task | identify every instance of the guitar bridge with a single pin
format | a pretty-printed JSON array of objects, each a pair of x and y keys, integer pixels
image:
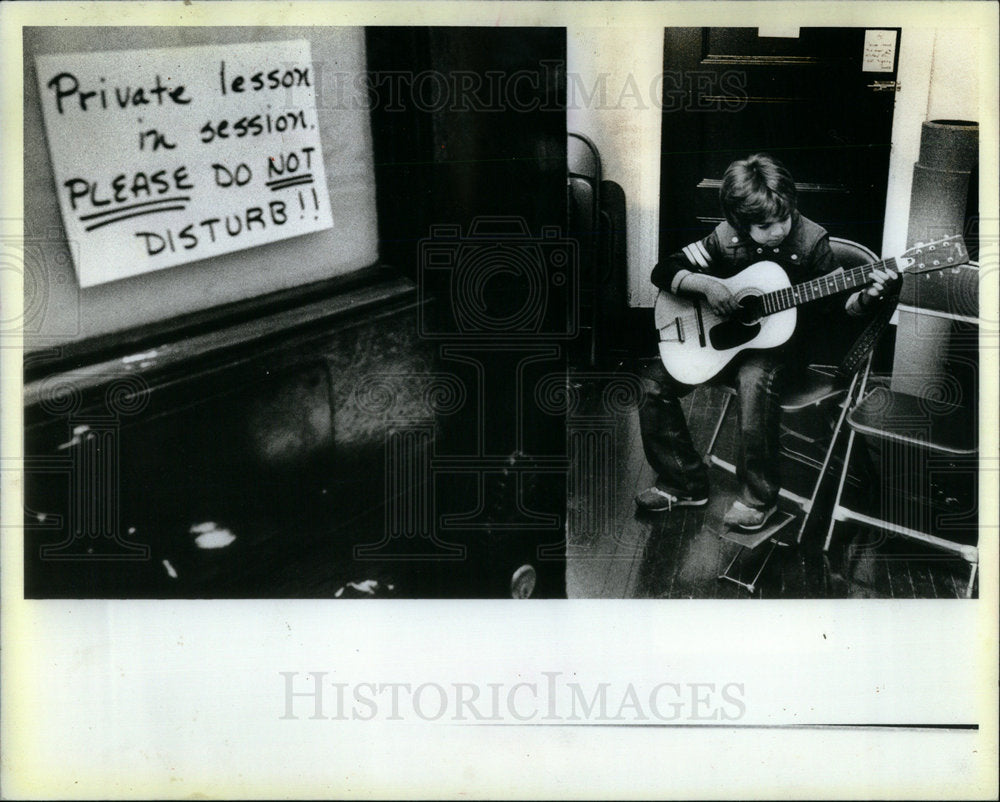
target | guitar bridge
[{"x": 678, "y": 326}]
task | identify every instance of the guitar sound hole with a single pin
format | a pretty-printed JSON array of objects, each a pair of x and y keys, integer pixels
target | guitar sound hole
[{"x": 750, "y": 310}]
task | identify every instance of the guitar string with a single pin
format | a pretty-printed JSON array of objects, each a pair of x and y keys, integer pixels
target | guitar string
[
  {"x": 792, "y": 292},
  {"x": 788, "y": 297}
]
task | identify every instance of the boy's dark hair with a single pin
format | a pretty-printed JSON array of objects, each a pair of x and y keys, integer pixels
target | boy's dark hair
[{"x": 755, "y": 190}]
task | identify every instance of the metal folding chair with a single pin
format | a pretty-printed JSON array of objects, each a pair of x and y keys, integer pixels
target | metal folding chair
[{"x": 922, "y": 422}]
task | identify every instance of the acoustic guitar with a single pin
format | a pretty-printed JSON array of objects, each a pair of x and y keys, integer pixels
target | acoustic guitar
[{"x": 696, "y": 344}]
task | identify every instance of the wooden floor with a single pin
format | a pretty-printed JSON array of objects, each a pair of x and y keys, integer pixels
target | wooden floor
[
  {"x": 617, "y": 551},
  {"x": 296, "y": 533}
]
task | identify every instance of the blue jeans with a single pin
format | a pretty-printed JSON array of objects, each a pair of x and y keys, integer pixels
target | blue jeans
[{"x": 758, "y": 378}]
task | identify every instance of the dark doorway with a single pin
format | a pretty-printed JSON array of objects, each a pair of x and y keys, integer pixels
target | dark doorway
[{"x": 821, "y": 102}]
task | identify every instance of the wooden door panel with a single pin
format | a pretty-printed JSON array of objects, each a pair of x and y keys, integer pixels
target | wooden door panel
[
  {"x": 823, "y": 201},
  {"x": 806, "y": 100}
]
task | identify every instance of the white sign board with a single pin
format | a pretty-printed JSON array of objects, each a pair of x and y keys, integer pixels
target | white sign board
[
  {"x": 163, "y": 157},
  {"x": 880, "y": 51}
]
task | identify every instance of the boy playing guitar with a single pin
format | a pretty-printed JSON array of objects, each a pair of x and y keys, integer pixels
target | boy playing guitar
[{"x": 762, "y": 223}]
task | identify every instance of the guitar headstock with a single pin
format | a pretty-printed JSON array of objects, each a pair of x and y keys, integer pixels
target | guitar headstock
[{"x": 946, "y": 252}]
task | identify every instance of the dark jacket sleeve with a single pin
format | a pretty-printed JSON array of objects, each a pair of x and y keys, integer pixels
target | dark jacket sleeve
[{"x": 700, "y": 256}]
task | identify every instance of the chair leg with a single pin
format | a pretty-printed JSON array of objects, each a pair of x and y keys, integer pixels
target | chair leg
[
  {"x": 840, "y": 490},
  {"x": 972, "y": 581},
  {"x": 851, "y": 399},
  {"x": 718, "y": 425},
  {"x": 834, "y": 437}
]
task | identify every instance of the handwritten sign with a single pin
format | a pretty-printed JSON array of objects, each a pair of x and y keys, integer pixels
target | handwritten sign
[
  {"x": 880, "y": 51},
  {"x": 163, "y": 157}
]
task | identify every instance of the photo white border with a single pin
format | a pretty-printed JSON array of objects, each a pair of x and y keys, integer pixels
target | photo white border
[{"x": 171, "y": 699}]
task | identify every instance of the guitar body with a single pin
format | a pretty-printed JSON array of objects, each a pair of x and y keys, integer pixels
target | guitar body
[{"x": 696, "y": 344}]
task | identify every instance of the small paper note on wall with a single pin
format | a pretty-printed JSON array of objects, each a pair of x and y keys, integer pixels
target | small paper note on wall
[
  {"x": 163, "y": 157},
  {"x": 880, "y": 51}
]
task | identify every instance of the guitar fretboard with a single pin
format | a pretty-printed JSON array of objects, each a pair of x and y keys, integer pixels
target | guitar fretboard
[{"x": 822, "y": 287}]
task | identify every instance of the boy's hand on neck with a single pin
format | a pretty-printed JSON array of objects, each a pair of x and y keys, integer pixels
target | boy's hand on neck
[{"x": 882, "y": 282}]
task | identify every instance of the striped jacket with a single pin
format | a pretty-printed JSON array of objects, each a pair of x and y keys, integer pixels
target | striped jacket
[{"x": 804, "y": 254}]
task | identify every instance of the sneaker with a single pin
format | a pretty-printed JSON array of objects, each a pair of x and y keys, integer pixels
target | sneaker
[
  {"x": 652, "y": 499},
  {"x": 747, "y": 518}
]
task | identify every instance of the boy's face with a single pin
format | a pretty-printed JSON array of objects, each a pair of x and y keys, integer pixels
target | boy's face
[{"x": 771, "y": 233}]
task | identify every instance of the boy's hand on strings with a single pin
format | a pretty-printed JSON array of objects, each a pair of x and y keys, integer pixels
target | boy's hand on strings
[{"x": 719, "y": 298}]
